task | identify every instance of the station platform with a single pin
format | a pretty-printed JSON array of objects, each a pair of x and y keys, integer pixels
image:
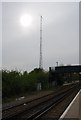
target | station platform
[{"x": 74, "y": 108}]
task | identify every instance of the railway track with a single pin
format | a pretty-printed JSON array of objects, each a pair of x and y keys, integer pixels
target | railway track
[
  {"x": 18, "y": 103},
  {"x": 60, "y": 107},
  {"x": 38, "y": 107}
]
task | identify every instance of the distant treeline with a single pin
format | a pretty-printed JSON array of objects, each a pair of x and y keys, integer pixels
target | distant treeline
[{"x": 15, "y": 82}]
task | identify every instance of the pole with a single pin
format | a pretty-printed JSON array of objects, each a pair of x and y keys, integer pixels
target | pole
[{"x": 40, "y": 60}]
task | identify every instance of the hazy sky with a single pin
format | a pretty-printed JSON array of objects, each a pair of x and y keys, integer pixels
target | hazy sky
[
  {"x": 0, "y": 34},
  {"x": 60, "y": 34}
]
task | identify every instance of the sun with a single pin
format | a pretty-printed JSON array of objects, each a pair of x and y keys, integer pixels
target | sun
[{"x": 26, "y": 20}]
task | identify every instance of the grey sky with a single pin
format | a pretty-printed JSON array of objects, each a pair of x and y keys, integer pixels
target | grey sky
[
  {"x": 60, "y": 34},
  {"x": 0, "y": 34}
]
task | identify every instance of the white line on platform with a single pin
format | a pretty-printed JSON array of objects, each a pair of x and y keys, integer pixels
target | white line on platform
[{"x": 67, "y": 109}]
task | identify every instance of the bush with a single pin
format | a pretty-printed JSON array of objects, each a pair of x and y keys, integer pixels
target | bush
[{"x": 15, "y": 83}]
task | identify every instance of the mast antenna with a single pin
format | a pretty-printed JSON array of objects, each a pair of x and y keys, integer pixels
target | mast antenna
[{"x": 40, "y": 59}]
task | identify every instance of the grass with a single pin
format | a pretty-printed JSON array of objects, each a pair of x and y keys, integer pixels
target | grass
[{"x": 26, "y": 94}]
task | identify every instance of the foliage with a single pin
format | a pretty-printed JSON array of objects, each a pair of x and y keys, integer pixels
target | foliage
[{"x": 15, "y": 83}]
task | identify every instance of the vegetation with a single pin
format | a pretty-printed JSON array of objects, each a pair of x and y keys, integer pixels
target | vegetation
[{"x": 15, "y": 83}]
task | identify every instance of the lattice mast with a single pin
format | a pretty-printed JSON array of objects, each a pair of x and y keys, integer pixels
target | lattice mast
[{"x": 40, "y": 59}]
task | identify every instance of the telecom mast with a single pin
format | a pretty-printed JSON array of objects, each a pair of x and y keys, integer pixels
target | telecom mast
[{"x": 40, "y": 59}]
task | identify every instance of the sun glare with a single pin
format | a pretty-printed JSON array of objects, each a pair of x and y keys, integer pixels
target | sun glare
[{"x": 26, "y": 20}]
